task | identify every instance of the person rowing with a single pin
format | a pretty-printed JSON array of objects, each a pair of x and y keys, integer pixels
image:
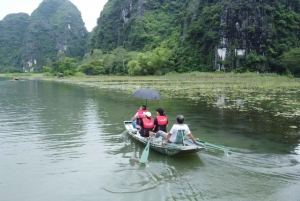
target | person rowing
[{"x": 172, "y": 135}]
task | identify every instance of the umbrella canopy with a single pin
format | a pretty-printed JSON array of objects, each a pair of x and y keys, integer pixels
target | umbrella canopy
[{"x": 148, "y": 94}]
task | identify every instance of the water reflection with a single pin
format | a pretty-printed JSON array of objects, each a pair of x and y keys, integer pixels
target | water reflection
[
  {"x": 220, "y": 101},
  {"x": 239, "y": 102}
]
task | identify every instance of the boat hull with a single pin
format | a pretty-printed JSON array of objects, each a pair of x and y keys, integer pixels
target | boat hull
[{"x": 156, "y": 143}]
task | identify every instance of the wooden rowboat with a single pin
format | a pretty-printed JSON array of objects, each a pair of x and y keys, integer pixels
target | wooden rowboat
[{"x": 187, "y": 147}]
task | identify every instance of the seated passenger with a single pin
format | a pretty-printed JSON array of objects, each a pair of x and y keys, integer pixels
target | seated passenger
[
  {"x": 137, "y": 118},
  {"x": 172, "y": 135},
  {"x": 160, "y": 121},
  {"x": 147, "y": 125}
]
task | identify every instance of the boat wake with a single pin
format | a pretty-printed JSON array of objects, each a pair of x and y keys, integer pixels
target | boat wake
[{"x": 131, "y": 182}]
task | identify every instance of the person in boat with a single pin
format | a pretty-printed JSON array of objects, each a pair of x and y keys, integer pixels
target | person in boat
[
  {"x": 160, "y": 121},
  {"x": 172, "y": 135},
  {"x": 146, "y": 124},
  {"x": 137, "y": 118}
]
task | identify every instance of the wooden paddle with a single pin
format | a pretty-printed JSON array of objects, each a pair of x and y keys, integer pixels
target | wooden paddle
[{"x": 144, "y": 157}]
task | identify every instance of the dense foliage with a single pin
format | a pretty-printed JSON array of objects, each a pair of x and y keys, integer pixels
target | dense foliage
[
  {"x": 193, "y": 30},
  {"x": 12, "y": 29},
  {"x": 154, "y": 37},
  {"x": 55, "y": 26}
]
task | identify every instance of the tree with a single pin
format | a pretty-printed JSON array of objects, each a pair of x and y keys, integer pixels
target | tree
[
  {"x": 97, "y": 54},
  {"x": 61, "y": 56},
  {"x": 120, "y": 54},
  {"x": 109, "y": 60},
  {"x": 291, "y": 61},
  {"x": 134, "y": 68},
  {"x": 93, "y": 67},
  {"x": 67, "y": 66},
  {"x": 255, "y": 62}
]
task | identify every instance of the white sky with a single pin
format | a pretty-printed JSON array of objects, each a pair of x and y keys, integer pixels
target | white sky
[{"x": 90, "y": 9}]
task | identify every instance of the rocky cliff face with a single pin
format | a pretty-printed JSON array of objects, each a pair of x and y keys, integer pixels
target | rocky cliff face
[
  {"x": 135, "y": 23},
  {"x": 55, "y": 26},
  {"x": 12, "y": 32},
  {"x": 204, "y": 35}
]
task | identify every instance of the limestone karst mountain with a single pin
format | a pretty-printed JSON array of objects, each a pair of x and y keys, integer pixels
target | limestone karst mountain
[
  {"x": 241, "y": 35},
  {"x": 55, "y": 26}
]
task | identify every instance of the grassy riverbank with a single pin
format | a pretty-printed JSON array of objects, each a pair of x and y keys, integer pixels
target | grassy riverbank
[{"x": 262, "y": 92}]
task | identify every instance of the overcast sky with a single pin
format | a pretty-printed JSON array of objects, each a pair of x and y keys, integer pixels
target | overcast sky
[{"x": 90, "y": 9}]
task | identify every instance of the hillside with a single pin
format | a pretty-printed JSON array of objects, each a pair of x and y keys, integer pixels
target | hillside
[
  {"x": 12, "y": 32},
  {"x": 55, "y": 26},
  {"x": 235, "y": 35}
]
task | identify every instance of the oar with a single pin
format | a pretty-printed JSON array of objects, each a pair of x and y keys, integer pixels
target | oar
[
  {"x": 145, "y": 154},
  {"x": 213, "y": 145}
]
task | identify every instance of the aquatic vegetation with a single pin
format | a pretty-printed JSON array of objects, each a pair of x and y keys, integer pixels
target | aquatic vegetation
[{"x": 270, "y": 93}]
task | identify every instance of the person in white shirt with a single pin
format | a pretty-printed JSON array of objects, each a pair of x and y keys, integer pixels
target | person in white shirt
[{"x": 172, "y": 135}]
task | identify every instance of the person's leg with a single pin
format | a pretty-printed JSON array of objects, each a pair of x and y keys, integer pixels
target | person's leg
[
  {"x": 133, "y": 123},
  {"x": 161, "y": 133}
]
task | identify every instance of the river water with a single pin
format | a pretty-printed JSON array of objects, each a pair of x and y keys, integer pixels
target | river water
[{"x": 65, "y": 142}]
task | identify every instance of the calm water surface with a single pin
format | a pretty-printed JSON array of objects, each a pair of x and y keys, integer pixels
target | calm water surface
[{"x": 64, "y": 142}]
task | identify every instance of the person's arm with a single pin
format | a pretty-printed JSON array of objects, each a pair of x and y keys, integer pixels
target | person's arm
[
  {"x": 155, "y": 123},
  {"x": 167, "y": 139},
  {"x": 134, "y": 117},
  {"x": 192, "y": 137},
  {"x": 153, "y": 128}
]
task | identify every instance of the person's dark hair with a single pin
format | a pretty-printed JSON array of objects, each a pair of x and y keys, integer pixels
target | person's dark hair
[
  {"x": 180, "y": 119},
  {"x": 160, "y": 111},
  {"x": 144, "y": 107}
]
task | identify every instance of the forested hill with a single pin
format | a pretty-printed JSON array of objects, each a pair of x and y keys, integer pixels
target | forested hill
[
  {"x": 12, "y": 32},
  {"x": 29, "y": 42},
  {"x": 231, "y": 35}
]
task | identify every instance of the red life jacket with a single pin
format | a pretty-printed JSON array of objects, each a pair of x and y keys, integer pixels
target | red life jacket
[
  {"x": 141, "y": 113},
  {"x": 140, "y": 116},
  {"x": 162, "y": 122},
  {"x": 148, "y": 125}
]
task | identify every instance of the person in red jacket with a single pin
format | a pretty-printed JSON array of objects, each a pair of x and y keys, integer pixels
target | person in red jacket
[
  {"x": 160, "y": 121},
  {"x": 147, "y": 125},
  {"x": 137, "y": 118}
]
